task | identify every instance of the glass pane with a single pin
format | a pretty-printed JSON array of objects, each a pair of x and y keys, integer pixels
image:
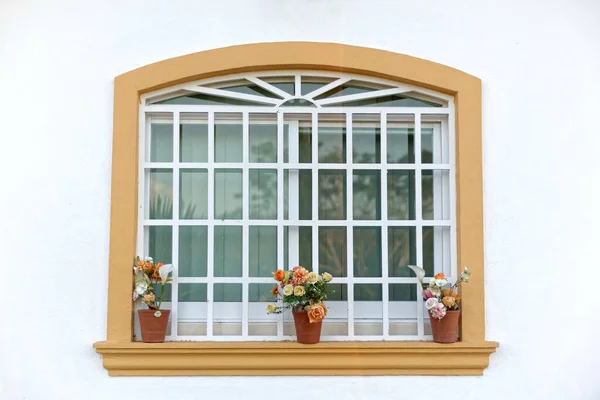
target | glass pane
[
  {"x": 299, "y": 240},
  {"x": 261, "y": 323},
  {"x": 228, "y": 251},
  {"x": 193, "y": 241},
  {"x": 193, "y": 197},
  {"x": 193, "y": 142},
  {"x": 262, "y": 250},
  {"x": 227, "y": 311},
  {"x": 284, "y": 83},
  {"x": 401, "y": 195},
  {"x": 367, "y": 252},
  {"x": 189, "y": 292},
  {"x": 161, "y": 142},
  {"x": 227, "y": 292},
  {"x": 366, "y": 144},
  {"x": 228, "y": 141},
  {"x": 191, "y": 309},
  {"x": 402, "y": 309},
  {"x": 332, "y": 251},
  {"x": 228, "y": 194},
  {"x": 305, "y": 143},
  {"x": 434, "y": 146},
  {"x": 339, "y": 292},
  {"x": 400, "y": 145},
  {"x": 368, "y": 309},
  {"x": 352, "y": 87},
  {"x": 161, "y": 194},
  {"x": 246, "y": 87},
  {"x": 206, "y": 99},
  {"x": 436, "y": 250},
  {"x": 366, "y": 199},
  {"x": 401, "y": 250},
  {"x": 298, "y": 103},
  {"x": 310, "y": 83},
  {"x": 332, "y": 194},
  {"x": 160, "y": 243},
  {"x": 263, "y": 193},
  {"x": 300, "y": 191},
  {"x": 332, "y": 142},
  {"x": 386, "y": 101},
  {"x": 263, "y": 140},
  {"x": 167, "y": 295},
  {"x": 436, "y": 194}
]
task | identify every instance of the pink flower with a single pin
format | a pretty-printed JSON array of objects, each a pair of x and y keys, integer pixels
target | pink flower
[
  {"x": 439, "y": 311},
  {"x": 427, "y": 294}
]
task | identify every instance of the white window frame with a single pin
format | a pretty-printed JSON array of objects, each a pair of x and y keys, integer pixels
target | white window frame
[{"x": 440, "y": 118}]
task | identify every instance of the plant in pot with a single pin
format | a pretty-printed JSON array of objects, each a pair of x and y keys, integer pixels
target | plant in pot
[
  {"x": 442, "y": 301},
  {"x": 148, "y": 277},
  {"x": 303, "y": 292}
]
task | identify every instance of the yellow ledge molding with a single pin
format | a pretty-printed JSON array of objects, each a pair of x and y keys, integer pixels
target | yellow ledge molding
[{"x": 273, "y": 358}]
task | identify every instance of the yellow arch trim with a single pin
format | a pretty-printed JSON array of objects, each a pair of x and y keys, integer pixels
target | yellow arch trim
[{"x": 465, "y": 88}]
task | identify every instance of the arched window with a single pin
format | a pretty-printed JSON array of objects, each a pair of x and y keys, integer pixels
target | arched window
[
  {"x": 339, "y": 173},
  {"x": 232, "y": 162}
]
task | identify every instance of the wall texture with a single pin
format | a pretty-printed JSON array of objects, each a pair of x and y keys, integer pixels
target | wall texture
[{"x": 539, "y": 63}]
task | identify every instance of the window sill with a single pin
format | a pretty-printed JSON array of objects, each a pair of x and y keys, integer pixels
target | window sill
[{"x": 291, "y": 358}]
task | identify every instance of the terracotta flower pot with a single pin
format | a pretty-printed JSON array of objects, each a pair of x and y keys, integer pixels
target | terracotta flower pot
[
  {"x": 445, "y": 330},
  {"x": 153, "y": 328},
  {"x": 306, "y": 332}
]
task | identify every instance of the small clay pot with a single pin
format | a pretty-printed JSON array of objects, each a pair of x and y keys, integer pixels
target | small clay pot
[
  {"x": 445, "y": 330},
  {"x": 153, "y": 328},
  {"x": 306, "y": 332}
]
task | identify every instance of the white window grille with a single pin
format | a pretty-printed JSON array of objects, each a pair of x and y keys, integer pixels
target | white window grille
[{"x": 245, "y": 174}]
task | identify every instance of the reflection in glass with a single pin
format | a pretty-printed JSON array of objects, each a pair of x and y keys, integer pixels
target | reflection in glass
[
  {"x": 161, "y": 194},
  {"x": 193, "y": 201},
  {"x": 332, "y": 194},
  {"x": 367, "y": 292},
  {"x": 193, "y": 143},
  {"x": 160, "y": 243},
  {"x": 304, "y": 247},
  {"x": 403, "y": 292},
  {"x": 401, "y": 251},
  {"x": 436, "y": 194},
  {"x": 161, "y": 142},
  {"x": 228, "y": 142},
  {"x": 193, "y": 249},
  {"x": 367, "y": 252},
  {"x": 262, "y": 250},
  {"x": 400, "y": 145},
  {"x": 366, "y": 199},
  {"x": 366, "y": 144},
  {"x": 436, "y": 249},
  {"x": 332, "y": 144},
  {"x": 332, "y": 251},
  {"x": 263, "y": 193},
  {"x": 195, "y": 292},
  {"x": 304, "y": 200},
  {"x": 263, "y": 143},
  {"x": 401, "y": 195},
  {"x": 228, "y": 251},
  {"x": 228, "y": 194}
]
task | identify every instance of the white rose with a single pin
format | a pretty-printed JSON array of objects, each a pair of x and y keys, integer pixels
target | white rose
[
  {"x": 288, "y": 290},
  {"x": 141, "y": 287},
  {"x": 299, "y": 291},
  {"x": 148, "y": 259},
  {"x": 438, "y": 282},
  {"x": 327, "y": 276},
  {"x": 312, "y": 277},
  {"x": 434, "y": 290},
  {"x": 430, "y": 303}
]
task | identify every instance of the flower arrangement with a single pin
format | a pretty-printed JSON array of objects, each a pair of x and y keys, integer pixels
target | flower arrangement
[
  {"x": 438, "y": 300},
  {"x": 301, "y": 290},
  {"x": 148, "y": 276}
]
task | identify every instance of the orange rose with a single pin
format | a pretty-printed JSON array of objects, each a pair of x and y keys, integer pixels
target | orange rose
[
  {"x": 279, "y": 275},
  {"x": 439, "y": 276},
  {"x": 317, "y": 312}
]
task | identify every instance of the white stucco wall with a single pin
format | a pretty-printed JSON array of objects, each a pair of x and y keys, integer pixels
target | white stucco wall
[{"x": 540, "y": 66}]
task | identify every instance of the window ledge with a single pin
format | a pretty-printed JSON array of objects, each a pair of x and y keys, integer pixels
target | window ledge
[{"x": 291, "y": 358}]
